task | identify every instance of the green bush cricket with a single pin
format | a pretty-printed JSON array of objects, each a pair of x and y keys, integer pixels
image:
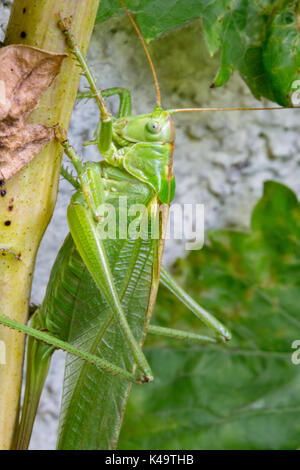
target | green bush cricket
[{"x": 137, "y": 152}]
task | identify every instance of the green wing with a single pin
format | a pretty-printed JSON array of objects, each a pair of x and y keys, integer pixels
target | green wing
[{"x": 94, "y": 402}]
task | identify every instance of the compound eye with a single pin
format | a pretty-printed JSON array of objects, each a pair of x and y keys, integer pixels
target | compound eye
[{"x": 153, "y": 127}]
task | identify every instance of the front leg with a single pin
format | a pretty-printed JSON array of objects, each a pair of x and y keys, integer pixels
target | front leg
[
  {"x": 56, "y": 343},
  {"x": 124, "y": 94},
  {"x": 104, "y": 139}
]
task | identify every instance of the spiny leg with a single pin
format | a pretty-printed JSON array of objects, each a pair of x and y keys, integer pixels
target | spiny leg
[
  {"x": 180, "y": 335},
  {"x": 69, "y": 348},
  {"x": 222, "y": 333}
]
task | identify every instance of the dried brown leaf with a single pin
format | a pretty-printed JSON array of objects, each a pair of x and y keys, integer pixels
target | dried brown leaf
[{"x": 25, "y": 74}]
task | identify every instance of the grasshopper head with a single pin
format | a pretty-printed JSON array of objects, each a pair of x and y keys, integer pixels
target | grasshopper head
[{"x": 154, "y": 127}]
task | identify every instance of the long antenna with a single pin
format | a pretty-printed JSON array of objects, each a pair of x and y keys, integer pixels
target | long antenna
[
  {"x": 184, "y": 110},
  {"x": 158, "y": 97}
]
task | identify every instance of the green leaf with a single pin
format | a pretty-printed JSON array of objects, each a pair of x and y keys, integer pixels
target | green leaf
[
  {"x": 242, "y": 38},
  {"x": 244, "y": 395},
  {"x": 155, "y": 17},
  {"x": 281, "y": 53},
  {"x": 259, "y": 38},
  {"x": 93, "y": 401}
]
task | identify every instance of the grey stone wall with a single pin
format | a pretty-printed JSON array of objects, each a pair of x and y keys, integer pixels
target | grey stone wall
[{"x": 221, "y": 159}]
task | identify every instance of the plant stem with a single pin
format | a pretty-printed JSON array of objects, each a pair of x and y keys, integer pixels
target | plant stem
[{"x": 32, "y": 192}]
